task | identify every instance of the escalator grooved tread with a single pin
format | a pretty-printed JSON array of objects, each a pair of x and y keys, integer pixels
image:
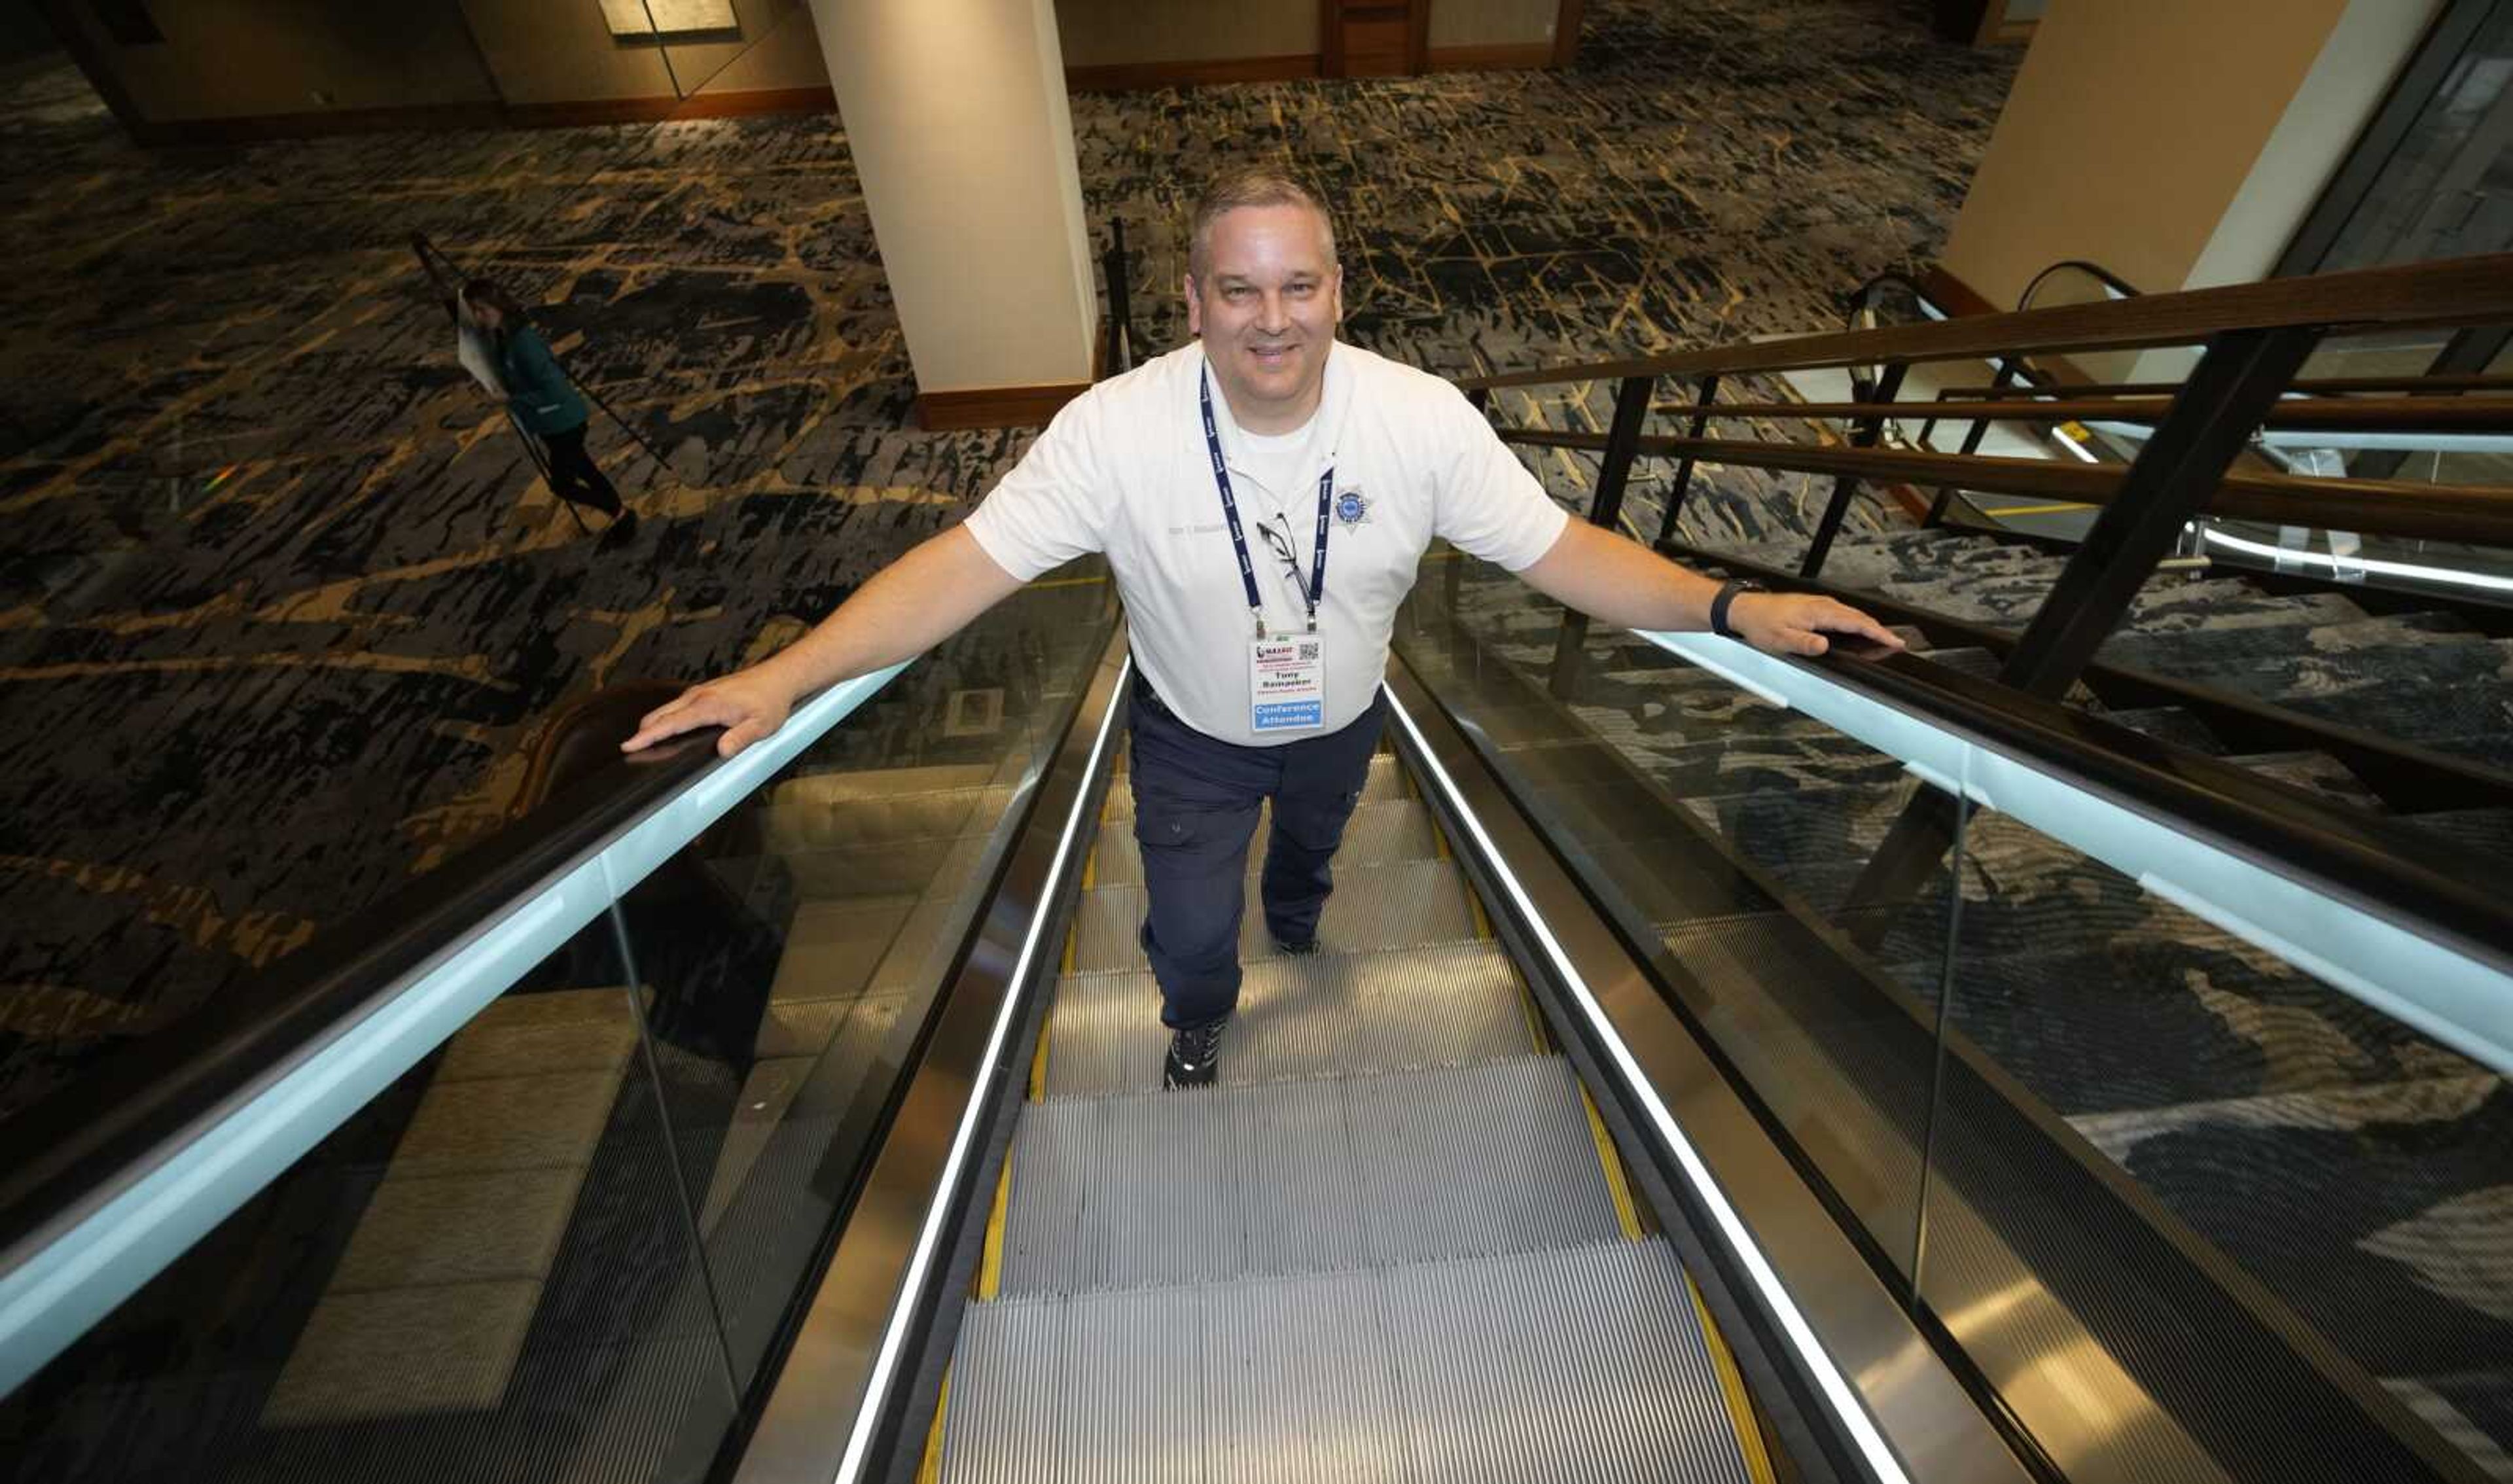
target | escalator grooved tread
[
  {"x": 1401, "y": 904},
  {"x": 1145, "y": 1189},
  {"x": 1519, "y": 1367},
  {"x": 1315, "y": 1015}
]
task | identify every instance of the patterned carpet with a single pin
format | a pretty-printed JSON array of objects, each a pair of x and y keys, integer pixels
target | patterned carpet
[{"x": 294, "y": 593}]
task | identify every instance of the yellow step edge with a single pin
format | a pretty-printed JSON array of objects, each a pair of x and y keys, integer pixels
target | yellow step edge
[
  {"x": 1537, "y": 1034},
  {"x": 1090, "y": 866},
  {"x": 2051, "y": 509},
  {"x": 1627, "y": 1211},
  {"x": 1731, "y": 1388},
  {"x": 929, "y": 1471},
  {"x": 990, "y": 1260},
  {"x": 1071, "y": 935},
  {"x": 1038, "y": 1059}
]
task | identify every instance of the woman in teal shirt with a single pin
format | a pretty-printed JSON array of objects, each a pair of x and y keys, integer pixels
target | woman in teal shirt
[{"x": 548, "y": 408}]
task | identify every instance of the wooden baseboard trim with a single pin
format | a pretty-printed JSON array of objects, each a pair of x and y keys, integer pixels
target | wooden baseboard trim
[
  {"x": 994, "y": 406},
  {"x": 1137, "y": 76},
  {"x": 253, "y": 129},
  {"x": 256, "y": 128},
  {"x": 759, "y": 101},
  {"x": 641, "y": 110},
  {"x": 1498, "y": 59},
  {"x": 593, "y": 110}
]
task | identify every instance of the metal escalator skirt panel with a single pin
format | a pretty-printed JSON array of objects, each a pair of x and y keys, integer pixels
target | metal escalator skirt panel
[
  {"x": 1326, "y": 1015},
  {"x": 1142, "y": 1189},
  {"x": 1584, "y": 1363}
]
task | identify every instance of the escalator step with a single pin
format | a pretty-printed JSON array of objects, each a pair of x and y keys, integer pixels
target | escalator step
[
  {"x": 840, "y": 1052},
  {"x": 402, "y": 1352},
  {"x": 1374, "y": 906},
  {"x": 1585, "y": 1363},
  {"x": 832, "y": 946},
  {"x": 797, "y": 820},
  {"x": 1387, "y": 829},
  {"x": 1330, "y": 1014},
  {"x": 1146, "y": 1189},
  {"x": 1386, "y": 781}
]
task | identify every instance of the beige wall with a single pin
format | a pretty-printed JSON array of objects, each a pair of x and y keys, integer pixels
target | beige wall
[
  {"x": 1491, "y": 22},
  {"x": 562, "y": 51},
  {"x": 2171, "y": 142},
  {"x": 1101, "y": 33},
  {"x": 235, "y": 59},
  {"x": 975, "y": 200},
  {"x": 779, "y": 51}
]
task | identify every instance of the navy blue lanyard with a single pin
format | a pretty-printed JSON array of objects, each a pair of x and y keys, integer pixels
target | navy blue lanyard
[{"x": 1316, "y": 591}]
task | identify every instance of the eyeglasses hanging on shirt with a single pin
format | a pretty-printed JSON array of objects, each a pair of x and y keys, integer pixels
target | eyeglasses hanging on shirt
[
  {"x": 1280, "y": 544},
  {"x": 1312, "y": 591}
]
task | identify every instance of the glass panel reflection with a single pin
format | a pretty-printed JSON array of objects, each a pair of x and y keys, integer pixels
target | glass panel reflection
[
  {"x": 1728, "y": 837},
  {"x": 2217, "y": 1144},
  {"x": 487, "y": 1270},
  {"x": 797, "y": 946}
]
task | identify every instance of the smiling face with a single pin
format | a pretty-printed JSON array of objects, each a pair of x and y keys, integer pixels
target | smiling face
[{"x": 1266, "y": 307}]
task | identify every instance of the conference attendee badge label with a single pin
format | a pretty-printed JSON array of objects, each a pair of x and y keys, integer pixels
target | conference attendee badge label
[{"x": 1287, "y": 683}]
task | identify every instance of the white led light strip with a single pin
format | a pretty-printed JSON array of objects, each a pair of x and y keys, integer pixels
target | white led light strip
[
  {"x": 1836, "y": 1388},
  {"x": 852, "y": 1464},
  {"x": 2459, "y": 579}
]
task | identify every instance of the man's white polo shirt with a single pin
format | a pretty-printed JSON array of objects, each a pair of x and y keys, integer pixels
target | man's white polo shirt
[{"x": 1123, "y": 471}]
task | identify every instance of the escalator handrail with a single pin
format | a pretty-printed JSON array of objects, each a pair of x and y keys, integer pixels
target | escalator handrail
[
  {"x": 69, "y": 1157},
  {"x": 2351, "y": 867},
  {"x": 2115, "y": 286},
  {"x": 69, "y": 1142}
]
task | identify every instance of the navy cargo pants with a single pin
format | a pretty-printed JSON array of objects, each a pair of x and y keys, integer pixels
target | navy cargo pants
[{"x": 1195, "y": 810}]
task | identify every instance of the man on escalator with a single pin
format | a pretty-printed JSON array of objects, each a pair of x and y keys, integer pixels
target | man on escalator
[{"x": 1219, "y": 480}]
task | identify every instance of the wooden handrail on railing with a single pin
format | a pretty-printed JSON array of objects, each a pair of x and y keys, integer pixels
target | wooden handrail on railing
[
  {"x": 2323, "y": 415},
  {"x": 2478, "y": 514},
  {"x": 2461, "y": 291},
  {"x": 2311, "y": 385}
]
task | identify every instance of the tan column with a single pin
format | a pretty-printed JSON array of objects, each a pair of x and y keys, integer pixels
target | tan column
[
  {"x": 2177, "y": 144},
  {"x": 955, "y": 113}
]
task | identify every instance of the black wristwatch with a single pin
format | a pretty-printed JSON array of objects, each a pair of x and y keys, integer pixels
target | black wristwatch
[{"x": 1726, "y": 595}]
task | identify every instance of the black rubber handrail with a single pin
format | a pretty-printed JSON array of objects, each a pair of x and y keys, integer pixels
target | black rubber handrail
[
  {"x": 2121, "y": 287},
  {"x": 102, "y": 1132},
  {"x": 2381, "y": 761},
  {"x": 2347, "y": 853}
]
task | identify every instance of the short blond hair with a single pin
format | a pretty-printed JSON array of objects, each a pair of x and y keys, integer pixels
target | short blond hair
[{"x": 1249, "y": 185}]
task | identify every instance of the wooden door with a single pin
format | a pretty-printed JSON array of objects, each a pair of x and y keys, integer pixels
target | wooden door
[{"x": 1373, "y": 38}]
